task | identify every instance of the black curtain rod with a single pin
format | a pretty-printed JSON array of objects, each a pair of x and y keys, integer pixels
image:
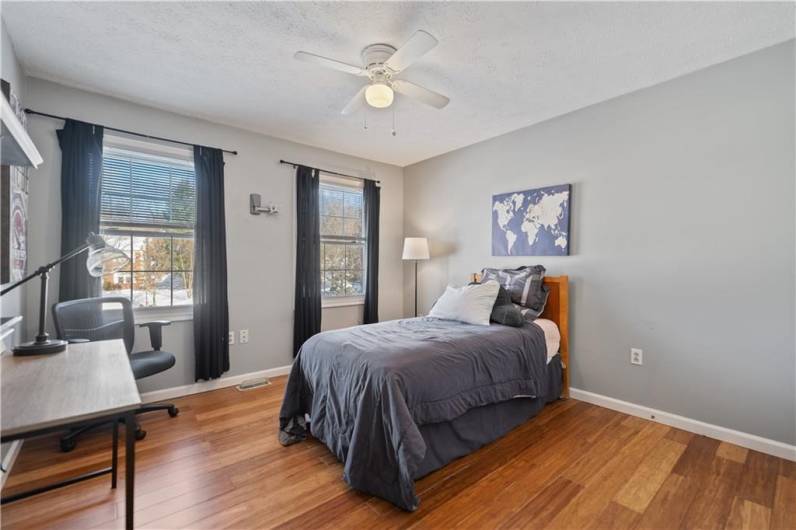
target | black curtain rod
[
  {"x": 149, "y": 136},
  {"x": 288, "y": 163}
]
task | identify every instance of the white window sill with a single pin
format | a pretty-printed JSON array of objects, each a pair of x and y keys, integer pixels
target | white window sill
[
  {"x": 342, "y": 301},
  {"x": 172, "y": 314}
]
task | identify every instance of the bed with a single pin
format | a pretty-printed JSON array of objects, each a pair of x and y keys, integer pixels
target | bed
[{"x": 397, "y": 400}]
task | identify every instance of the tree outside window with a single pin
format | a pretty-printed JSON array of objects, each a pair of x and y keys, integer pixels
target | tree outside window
[
  {"x": 342, "y": 240},
  {"x": 148, "y": 210}
]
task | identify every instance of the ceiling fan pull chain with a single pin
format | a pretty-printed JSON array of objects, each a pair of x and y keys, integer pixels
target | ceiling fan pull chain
[
  {"x": 365, "y": 124},
  {"x": 393, "y": 122}
]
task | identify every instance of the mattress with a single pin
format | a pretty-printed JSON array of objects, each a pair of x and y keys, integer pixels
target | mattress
[{"x": 552, "y": 336}]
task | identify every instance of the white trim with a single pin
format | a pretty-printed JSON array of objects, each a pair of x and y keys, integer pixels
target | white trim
[
  {"x": 342, "y": 182},
  {"x": 750, "y": 441},
  {"x": 160, "y": 150},
  {"x": 215, "y": 384},
  {"x": 342, "y": 301},
  {"x": 10, "y": 458},
  {"x": 177, "y": 313}
]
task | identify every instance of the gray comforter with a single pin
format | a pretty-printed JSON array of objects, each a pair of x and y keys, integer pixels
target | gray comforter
[{"x": 367, "y": 389}]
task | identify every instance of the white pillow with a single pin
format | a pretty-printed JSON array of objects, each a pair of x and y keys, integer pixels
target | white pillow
[{"x": 471, "y": 304}]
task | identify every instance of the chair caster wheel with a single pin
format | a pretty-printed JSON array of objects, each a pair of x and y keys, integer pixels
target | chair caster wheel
[
  {"x": 140, "y": 434},
  {"x": 68, "y": 444},
  {"x": 173, "y": 411}
]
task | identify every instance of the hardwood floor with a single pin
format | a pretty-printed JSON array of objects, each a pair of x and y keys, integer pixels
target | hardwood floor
[{"x": 219, "y": 465}]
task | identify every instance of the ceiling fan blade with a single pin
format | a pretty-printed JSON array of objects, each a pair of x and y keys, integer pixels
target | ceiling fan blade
[
  {"x": 424, "y": 95},
  {"x": 356, "y": 102},
  {"x": 329, "y": 63},
  {"x": 417, "y": 46}
]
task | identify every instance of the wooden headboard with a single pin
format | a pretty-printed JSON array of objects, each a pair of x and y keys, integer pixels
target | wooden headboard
[{"x": 557, "y": 310}]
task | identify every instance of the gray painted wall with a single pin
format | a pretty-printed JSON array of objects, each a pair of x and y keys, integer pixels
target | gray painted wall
[
  {"x": 260, "y": 249},
  {"x": 682, "y": 237}
]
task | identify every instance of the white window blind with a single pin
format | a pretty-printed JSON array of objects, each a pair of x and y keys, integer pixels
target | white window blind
[
  {"x": 148, "y": 209},
  {"x": 147, "y": 193}
]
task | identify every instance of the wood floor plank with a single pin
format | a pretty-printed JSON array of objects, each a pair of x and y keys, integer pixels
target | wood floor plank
[
  {"x": 615, "y": 517},
  {"x": 603, "y": 486},
  {"x": 747, "y": 515},
  {"x": 638, "y": 492},
  {"x": 576, "y": 465},
  {"x": 787, "y": 468},
  {"x": 679, "y": 435},
  {"x": 545, "y": 506},
  {"x": 757, "y": 485},
  {"x": 783, "y": 514},
  {"x": 711, "y": 505},
  {"x": 669, "y": 506},
  {"x": 697, "y": 458},
  {"x": 732, "y": 452}
]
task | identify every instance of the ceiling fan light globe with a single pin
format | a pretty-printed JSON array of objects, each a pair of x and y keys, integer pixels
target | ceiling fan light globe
[{"x": 379, "y": 95}]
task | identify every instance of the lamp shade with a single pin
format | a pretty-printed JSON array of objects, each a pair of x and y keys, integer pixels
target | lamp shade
[
  {"x": 379, "y": 95},
  {"x": 415, "y": 248},
  {"x": 103, "y": 258}
]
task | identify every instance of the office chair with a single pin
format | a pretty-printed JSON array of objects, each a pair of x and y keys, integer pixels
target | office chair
[{"x": 105, "y": 318}]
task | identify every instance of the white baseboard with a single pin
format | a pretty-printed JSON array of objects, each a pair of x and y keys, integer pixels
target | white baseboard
[
  {"x": 9, "y": 459},
  {"x": 750, "y": 441},
  {"x": 206, "y": 386}
]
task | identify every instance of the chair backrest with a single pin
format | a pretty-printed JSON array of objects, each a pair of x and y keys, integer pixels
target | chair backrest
[{"x": 92, "y": 319}]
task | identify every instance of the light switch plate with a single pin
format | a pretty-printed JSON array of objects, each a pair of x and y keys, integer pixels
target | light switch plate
[{"x": 636, "y": 356}]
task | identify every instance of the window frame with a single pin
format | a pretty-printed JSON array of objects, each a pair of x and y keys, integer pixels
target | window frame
[
  {"x": 153, "y": 151},
  {"x": 345, "y": 184}
]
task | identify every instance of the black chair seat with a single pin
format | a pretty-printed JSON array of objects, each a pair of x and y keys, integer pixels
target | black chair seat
[
  {"x": 148, "y": 363},
  {"x": 106, "y": 318}
]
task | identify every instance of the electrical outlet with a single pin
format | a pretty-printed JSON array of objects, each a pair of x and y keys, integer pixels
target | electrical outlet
[
  {"x": 244, "y": 336},
  {"x": 636, "y": 356},
  {"x": 231, "y": 338}
]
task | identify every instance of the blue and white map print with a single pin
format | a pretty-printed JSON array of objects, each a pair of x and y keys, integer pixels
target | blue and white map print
[{"x": 532, "y": 222}]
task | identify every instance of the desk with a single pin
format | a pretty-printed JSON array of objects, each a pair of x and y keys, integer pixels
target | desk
[{"x": 87, "y": 383}]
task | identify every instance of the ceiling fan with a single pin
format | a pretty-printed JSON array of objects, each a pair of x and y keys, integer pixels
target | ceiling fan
[{"x": 380, "y": 64}]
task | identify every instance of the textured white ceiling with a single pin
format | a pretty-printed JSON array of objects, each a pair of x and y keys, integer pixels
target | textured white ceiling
[{"x": 504, "y": 65}]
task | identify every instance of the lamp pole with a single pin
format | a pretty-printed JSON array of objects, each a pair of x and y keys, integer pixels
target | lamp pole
[
  {"x": 415, "y": 287},
  {"x": 43, "y": 344},
  {"x": 415, "y": 249}
]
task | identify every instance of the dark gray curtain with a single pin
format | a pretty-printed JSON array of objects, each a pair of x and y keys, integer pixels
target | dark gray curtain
[
  {"x": 307, "y": 312},
  {"x": 371, "y": 197},
  {"x": 81, "y": 171},
  {"x": 210, "y": 305}
]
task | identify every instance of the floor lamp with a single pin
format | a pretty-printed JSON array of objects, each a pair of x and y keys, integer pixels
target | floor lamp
[{"x": 415, "y": 249}]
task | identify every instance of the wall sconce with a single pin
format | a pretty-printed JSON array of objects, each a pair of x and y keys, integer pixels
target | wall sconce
[{"x": 255, "y": 207}]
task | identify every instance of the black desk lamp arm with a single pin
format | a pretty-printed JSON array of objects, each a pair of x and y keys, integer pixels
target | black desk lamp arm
[
  {"x": 44, "y": 273},
  {"x": 44, "y": 269}
]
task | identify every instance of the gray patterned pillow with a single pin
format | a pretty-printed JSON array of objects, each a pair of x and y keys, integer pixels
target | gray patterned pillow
[
  {"x": 508, "y": 315},
  {"x": 534, "y": 313},
  {"x": 504, "y": 311},
  {"x": 524, "y": 284}
]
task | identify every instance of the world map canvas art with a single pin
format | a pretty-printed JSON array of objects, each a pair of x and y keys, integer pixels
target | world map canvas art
[{"x": 531, "y": 223}]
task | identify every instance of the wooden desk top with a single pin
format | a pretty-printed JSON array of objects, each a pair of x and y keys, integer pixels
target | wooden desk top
[{"x": 86, "y": 381}]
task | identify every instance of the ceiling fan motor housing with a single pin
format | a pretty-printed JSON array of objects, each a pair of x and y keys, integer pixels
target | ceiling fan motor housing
[{"x": 374, "y": 57}]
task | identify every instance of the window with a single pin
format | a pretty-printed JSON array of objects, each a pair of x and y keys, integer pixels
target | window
[
  {"x": 148, "y": 209},
  {"x": 342, "y": 239}
]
